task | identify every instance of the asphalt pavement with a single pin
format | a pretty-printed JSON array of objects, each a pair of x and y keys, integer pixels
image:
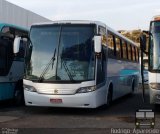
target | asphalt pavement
[{"x": 120, "y": 115}]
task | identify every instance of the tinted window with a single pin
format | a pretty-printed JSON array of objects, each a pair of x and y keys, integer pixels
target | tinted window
[
  {"x": 74, "y": 57},
  {"x": 124, "y": 47},
  {"x": 111, "y": 46},
  {"x": 133, "y": 54},
  {"x": 155, "y": 28},
  {"x": 3, "y": 59},
  {"x": 129, "y": 52},
  {"x": 6, "y": 56},
  {"x": 118, "y": 48},
  {"x": 154, "y": 47},
  {"x": 137, "y": 55}
]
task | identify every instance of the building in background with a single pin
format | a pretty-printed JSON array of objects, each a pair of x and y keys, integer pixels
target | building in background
[{"x": 13, "y": 14}]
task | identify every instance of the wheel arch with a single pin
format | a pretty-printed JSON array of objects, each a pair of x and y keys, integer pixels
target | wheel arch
[{"x": 109, "y": 88}]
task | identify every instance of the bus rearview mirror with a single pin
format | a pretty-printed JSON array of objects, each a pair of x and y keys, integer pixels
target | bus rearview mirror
[
  {"x": 97, "y": 44},
  {"x": 16, "y": 45},
  {"x": 143, "y": 42}
]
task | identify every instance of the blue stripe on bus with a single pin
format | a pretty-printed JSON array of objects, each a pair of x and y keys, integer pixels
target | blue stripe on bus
[
  {"x": 6, "y": 91},
  {"x": 128, "y": 72}
]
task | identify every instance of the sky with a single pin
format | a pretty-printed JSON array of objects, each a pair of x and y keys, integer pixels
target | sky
[{"x": 117, "y": 14}]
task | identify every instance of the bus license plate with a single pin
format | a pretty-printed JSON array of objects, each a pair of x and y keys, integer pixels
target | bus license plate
[{"x": 56, "y": 101}]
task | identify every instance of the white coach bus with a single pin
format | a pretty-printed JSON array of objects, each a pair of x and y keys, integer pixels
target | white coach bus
[
  {"x": 82, "y": 64},
  {"x": 154, "y": 60}
]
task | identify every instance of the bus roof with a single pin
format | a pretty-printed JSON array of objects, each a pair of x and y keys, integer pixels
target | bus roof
[
  {"x": 70, "y": 22},
  {"x": 86, "y": 22},
  {"x": 13, "y": 26},
  {"x": 156, "y": 18}
]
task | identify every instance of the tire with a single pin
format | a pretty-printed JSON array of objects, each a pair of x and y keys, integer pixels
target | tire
[
  {"x": 109, "y": 98},
  {"x": 133, "y": 87}
]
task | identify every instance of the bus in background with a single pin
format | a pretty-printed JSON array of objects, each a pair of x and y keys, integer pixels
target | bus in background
[
  {"x": 80, "y": 64},
  {"x": 12, "y": 65},
  {"x": 153, "y": 51}
]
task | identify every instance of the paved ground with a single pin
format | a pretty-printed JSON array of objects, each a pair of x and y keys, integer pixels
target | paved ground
[{"x": 64, "y": 120}]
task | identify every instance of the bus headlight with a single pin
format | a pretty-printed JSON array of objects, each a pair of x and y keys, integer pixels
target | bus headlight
[
  {"x": 86, "y": 89},
  {"x": 155, "y": 86},
  {"x": 29, "y": 88}
]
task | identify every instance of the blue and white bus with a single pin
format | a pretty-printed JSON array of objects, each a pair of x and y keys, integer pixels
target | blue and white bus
[
  {"x": 12, "y": 64},
  {"x": 81, "y": 64}
]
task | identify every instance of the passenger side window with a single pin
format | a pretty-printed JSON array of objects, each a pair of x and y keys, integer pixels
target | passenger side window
[
  {"x": 124, "y": 48},
  {"x": 3, "y": 57},
  {"x": 118, "y": 48},
  {"x": 111, "y": 46},
  {"x": 137, "y": 55},
  {"x": 133, "y": 53},
  {"x": 129, "y": 52}
]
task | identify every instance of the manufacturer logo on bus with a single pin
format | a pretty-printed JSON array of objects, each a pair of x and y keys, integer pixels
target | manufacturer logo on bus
[{"x": 55, "y": 91}]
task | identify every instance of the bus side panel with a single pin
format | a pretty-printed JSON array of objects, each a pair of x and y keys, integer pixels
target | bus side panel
[
  {"x": 8, "y": 83},
  {"x": 121, "y": 74},
  {"x": 131, "y": 72},
  {"x": 6, "y": 91},
  {"x": 113, "y": 73}
]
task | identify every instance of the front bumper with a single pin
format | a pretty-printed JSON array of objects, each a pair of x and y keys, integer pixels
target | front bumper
[{"x": 83, "y": 100}]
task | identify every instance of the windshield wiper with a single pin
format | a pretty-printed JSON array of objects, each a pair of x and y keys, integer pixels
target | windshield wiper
[
  {"x": 47, "y": 67},
  {"x": 67, "y": 70},
  {"x": 51, "y": 61}
]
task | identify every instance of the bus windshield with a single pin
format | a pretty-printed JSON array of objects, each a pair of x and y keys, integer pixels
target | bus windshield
[
  {"x": 155, "y": 46},
  {"x": 73, "y": 48}
]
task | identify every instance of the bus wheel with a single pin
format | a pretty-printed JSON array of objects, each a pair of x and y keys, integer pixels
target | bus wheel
[
  {"x": 109, "y": 98},
  {"x": 133, "y": 87}
]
